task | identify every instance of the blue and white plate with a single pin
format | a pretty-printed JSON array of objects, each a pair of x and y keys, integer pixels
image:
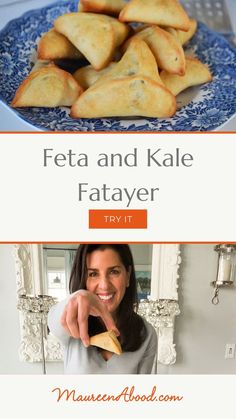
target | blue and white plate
[{"x": 204, "y": 108}]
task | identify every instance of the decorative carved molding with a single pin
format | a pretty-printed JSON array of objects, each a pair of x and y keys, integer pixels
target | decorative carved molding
[
  {"x": 164, "y": 287},
  {"x": 161, "y": 314},
  {"x": 164, "y": 296},
  {"x": 166, "y": 347},
  {"x": 165, "y": 264},
  {"x": 29, "y": 279},
  {"x": 24, "y": 281}
]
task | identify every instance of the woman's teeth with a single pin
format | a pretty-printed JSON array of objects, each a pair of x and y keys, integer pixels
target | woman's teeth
[{"x": 105, "y": 297}]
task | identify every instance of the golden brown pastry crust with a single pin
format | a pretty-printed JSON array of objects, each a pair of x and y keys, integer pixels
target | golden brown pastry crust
[
  {"x": 130, "y": 96},
  {"x": 184, "y": 36},
  {"x": 131, "y": 88},
  {"x": 54, "y": 46},
  {"x": 196, "y": 73},
  {"x": 137, "y": 60},
  {"x": 87, "y": 76},
  {"x": 165, "y": 47},
  {"x": 111, "y": 7},
  {"x": 157, "y": 12},
  {"x": 90, "y": 34},
  {"x": 95, "y": 35},
  {"x": 107, "y": 341},
  {"x": 47, "y": 87}
]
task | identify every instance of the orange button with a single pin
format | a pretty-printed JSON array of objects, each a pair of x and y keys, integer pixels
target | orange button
[{"x": 117, "y": 218}]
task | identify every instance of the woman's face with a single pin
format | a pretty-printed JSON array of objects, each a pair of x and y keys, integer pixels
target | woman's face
[{"x": 107, "y": 277}]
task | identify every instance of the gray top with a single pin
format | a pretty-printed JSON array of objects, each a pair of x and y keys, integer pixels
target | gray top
[{"x": 81, "y": 360}]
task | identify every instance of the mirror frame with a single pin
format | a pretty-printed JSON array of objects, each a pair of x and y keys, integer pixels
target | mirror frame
[{"x": 30, "y": 280}]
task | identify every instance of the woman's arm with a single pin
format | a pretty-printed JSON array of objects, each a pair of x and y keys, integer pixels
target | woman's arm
[
  {"x": 54, "y": 321},
  {"x": 148, "y": 359}
]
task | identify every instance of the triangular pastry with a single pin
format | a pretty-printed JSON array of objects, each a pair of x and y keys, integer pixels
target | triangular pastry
[
  {"x": 125, "y": 97},
  {"x": 184, "y": 36},
  {"x": 96, "y": 36},
  {"x": 87, "y": 76},
  {"x": 47, "y": 87},
  {"x": 131, "y": 88},
  {"x": 157, "y": 12},
  {"x": 165, "y": 47},
  {"x": 196, "y": 73},
  {"x": 110, "y": 7},
  {"x": 90, "y": 35},
  {"x": 54, "y": 46},
  {"x": 107, "y": 341},
  {"x": 121, "y": 30},
  {"x": 138, "y": 60}
]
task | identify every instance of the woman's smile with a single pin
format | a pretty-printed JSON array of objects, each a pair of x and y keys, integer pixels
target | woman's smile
[
  {"x": 105, "y": 297},
  {"x": 107, "y": 277}
]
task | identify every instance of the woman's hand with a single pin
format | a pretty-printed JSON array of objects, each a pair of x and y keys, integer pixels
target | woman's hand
[{"x": 75, "y": 315}]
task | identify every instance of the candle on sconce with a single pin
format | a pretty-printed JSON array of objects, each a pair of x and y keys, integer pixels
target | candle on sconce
[
  {"x": 226, "y": 268},
  {"x": 224, "y": 271}
]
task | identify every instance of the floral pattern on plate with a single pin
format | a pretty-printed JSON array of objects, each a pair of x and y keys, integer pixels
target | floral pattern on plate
[{"x": 203, "y": 108}]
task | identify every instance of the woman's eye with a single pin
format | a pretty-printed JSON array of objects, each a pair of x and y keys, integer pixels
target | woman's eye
[
  {"x": 115, "y": 272},
  {"x": 92, "y": 274}
]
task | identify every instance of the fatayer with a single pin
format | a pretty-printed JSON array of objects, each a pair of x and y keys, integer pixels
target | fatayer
[{"x": 125, "y": 195}]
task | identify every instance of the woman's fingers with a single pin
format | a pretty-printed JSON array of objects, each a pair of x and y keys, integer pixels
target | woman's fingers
[
  {"x": 99, "y": 309},
  {"x": 82, "y": 316},
  {"x": 76, "y": 313},
  {"x": 108, "y": 321},
  {"x": 69, "y": 319},
  {"x": 64, "y": 323}
]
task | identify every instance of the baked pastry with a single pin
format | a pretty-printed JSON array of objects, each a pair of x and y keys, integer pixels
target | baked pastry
[
  {"x": 157, "y": 12},
  {"x": 131, "y": 88},
  {"x": 196, "y": 73},
  {"x": 127, "y": 96},
  {"x": 54, "y": 46},
  {"x": 111, "y": 7},
  {"x": 107, "y": 87},
  {"x": 138, "y": 60},
  {"x": 165, "y": 47},
  {"x": 47, "y": 87},
  {"x": 96, "y": 36},
  {"x": 121, "y": 30},
  {"x": 107, "y": 341},
  {"x": 184, "y": 36},
  {"x": 130, "y": 96},
  {"x": 87, "y": 76}
]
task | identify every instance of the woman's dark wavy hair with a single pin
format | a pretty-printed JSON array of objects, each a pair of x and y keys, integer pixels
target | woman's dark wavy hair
[{"x": 129, "y": 323}]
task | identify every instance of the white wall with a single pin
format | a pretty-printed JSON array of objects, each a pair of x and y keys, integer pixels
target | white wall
[{"x": 202, "y": 330}]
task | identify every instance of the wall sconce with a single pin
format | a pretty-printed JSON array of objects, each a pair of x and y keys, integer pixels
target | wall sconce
[
  {"x": 159, "y": 313},
  {"x": 225, "y": 270}
]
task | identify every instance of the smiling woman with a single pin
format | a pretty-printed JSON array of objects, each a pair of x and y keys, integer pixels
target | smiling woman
[
  {"x": 104, "y": 297},
  {"x": 46, "y": 269}
]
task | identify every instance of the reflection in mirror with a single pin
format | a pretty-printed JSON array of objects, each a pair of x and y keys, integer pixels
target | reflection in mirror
[
  {"x": 45, "y": 269},
  {"x": 58, "y": 263}
]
